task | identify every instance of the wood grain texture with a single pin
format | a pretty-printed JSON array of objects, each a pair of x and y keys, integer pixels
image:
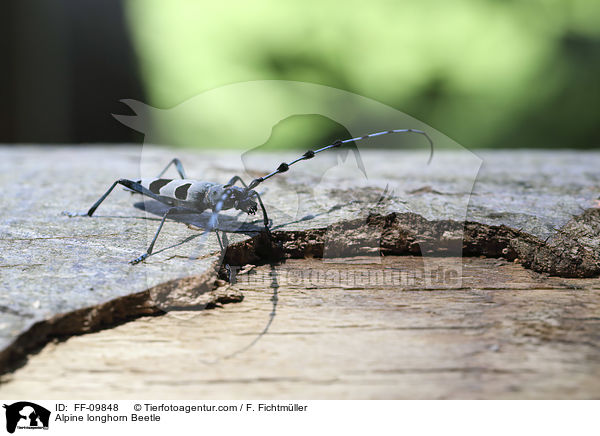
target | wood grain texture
[
  {"x": 508, "y": 333},
  {"x": 343, "y": 331}
]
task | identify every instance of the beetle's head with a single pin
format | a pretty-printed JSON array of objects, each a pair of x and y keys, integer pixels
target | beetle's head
[{"x": 244, "y": 200}]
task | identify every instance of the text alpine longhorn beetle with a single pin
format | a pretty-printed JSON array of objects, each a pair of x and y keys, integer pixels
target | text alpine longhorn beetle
[{"x": 197, "y": 196}]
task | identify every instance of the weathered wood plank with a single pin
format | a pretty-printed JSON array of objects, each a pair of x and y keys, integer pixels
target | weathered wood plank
[
  {"x": 510, "y": 333},
  {"x": 63, "y": 276}
]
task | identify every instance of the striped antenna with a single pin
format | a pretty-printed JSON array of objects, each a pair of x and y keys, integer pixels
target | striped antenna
[
  {"x": 212, "y": 222},
  {"x": 282, "y": 168}
]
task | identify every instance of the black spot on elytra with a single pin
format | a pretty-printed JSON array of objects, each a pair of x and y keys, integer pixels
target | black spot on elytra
[
  {"x": 157, "y": 184},
  {"x": 181, "y": 191}
]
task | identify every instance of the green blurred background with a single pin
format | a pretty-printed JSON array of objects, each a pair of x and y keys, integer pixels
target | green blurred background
[{"x": 487, "y": 73}]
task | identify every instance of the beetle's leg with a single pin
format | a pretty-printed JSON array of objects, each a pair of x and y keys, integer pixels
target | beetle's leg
[
  {"x": 211, "y": 225},
  {"x": 266, "y": 221},
  {"x": 232, "y": 182},
  {"x": 134, "y": 186},
  {"x": 92, "y": 209},
  {"x": 177, "y": 164},
  {"x": 219, "y": 239},
  {"x": 224, "y": 243},
  {"x": 151, "y": 246}
]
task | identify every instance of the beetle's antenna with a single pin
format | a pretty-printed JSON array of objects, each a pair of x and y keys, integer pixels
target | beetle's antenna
[{"x": 282, "y": 168}]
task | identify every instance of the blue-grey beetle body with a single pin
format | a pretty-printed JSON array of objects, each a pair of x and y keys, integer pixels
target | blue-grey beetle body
[{"x": 198, "y": 196}]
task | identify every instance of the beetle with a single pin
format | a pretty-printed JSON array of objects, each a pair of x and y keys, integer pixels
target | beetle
[{"x": 197, "y": 196}]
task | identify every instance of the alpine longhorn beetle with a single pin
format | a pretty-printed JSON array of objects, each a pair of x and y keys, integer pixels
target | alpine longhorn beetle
[{"x": 197, "y": 196}]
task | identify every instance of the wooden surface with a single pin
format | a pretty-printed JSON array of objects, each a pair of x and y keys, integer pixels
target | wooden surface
[
  {"x": 300, "y": 332},
  {"x": 497, "y": 329}
]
